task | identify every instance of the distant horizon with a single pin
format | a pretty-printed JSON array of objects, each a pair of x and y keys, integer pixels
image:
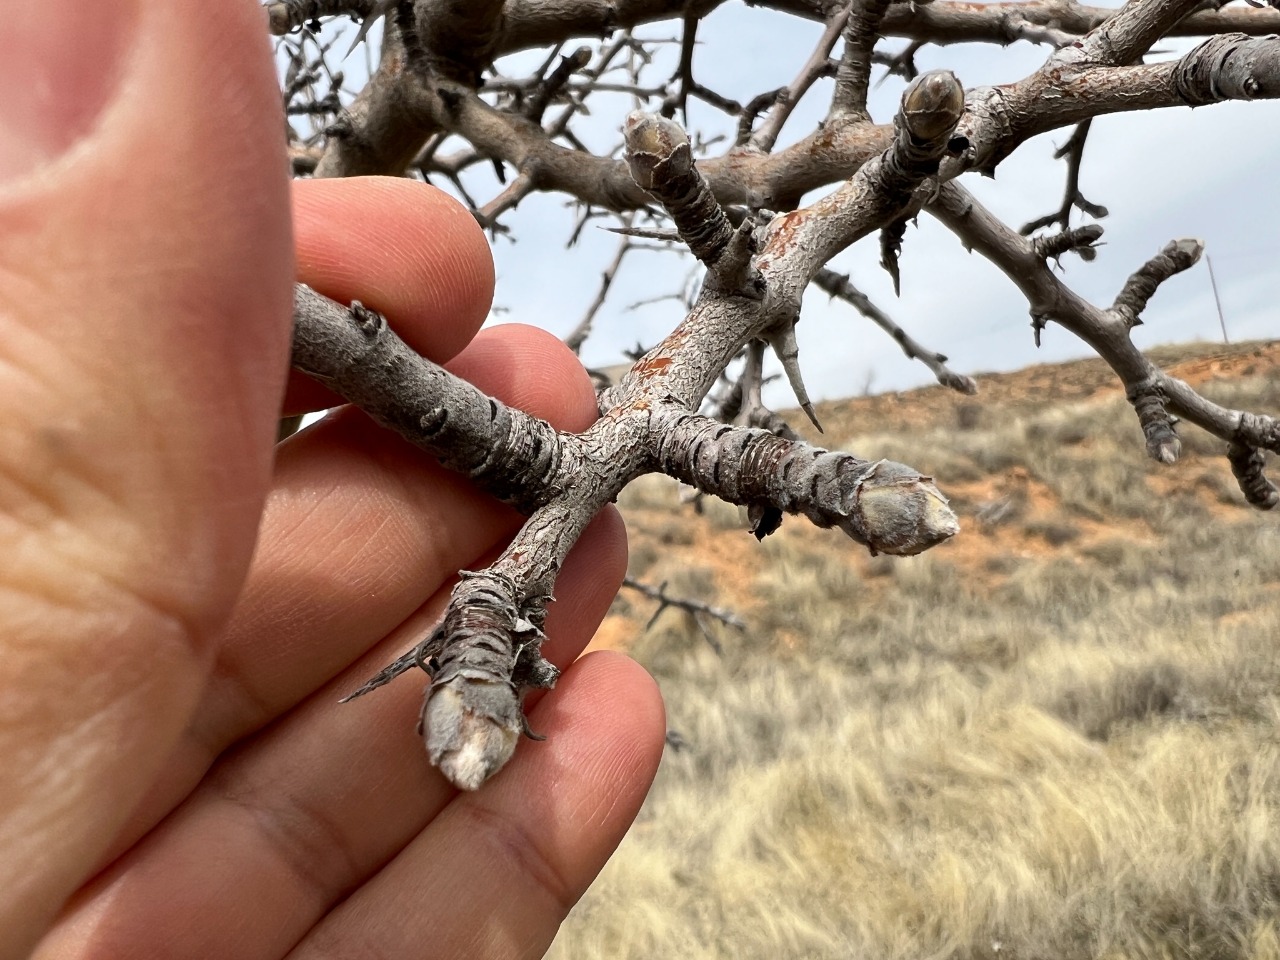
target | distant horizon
[{"x": 1211, "y": 348}]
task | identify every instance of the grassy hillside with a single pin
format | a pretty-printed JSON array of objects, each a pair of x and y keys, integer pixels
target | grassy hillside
[{"x": 1057, "y": 737}]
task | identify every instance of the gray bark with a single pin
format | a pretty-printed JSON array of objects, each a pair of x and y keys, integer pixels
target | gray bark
[{"x": 739, "y": 213}]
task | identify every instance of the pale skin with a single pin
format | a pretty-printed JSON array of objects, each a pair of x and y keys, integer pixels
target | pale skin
[{"x": 182, "y": 604}]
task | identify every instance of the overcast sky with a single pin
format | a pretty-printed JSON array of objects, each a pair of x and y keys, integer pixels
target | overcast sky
[{"x": 1207, "y": 173}]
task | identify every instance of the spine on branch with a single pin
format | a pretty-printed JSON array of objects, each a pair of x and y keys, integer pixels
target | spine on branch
[
  {"x": 887, "y": 506},
  {"x": 286, "y": 15},
  {"x": 353, "y": 351}
]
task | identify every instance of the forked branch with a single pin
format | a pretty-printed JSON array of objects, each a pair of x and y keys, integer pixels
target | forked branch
[
  {"x": 484, "y": 656},
  {"x": 1154, "y": 393},
  {"x": 838, "y": 285}
]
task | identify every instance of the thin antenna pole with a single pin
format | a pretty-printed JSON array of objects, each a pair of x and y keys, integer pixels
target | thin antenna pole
[{"x": 1217, "y": 301}]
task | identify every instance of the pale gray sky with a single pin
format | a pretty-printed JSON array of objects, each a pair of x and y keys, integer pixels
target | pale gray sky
[{"x": 1162, "y": 174}]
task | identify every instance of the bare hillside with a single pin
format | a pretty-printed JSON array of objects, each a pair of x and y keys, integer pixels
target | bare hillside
[
  {"x": 1045, "y": 385},
  {"x": 1057, "y": 736}
]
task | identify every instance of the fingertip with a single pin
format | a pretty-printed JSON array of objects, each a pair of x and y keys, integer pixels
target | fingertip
[
  {"x": 536, "y": 371},
  {"x": 602, "y": 549},
  {"x": 606, "y": 727},
  {"x": 607, "y": 718},
  {"x": 628, "y": 693},
  {"x": 403, "y": 248},
  {"x": 609, "y": 535}
]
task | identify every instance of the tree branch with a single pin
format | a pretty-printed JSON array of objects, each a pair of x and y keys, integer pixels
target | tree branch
[
  {"x": 352, "y": 350},
  {"x": 1125, "y": 37},
  {"x": 1073, "y": 150},
  {"x": 551, "y": 85},
  {"x": 1079, "y": 240},
  {"x": 1107, "y": 333},
  {"x": 1178, "y": 255},
  {"x": 385, "y": 125},
  {"x": 579, "y": 334},
  {"x": 1065, "y": 91},
  {"x": 784, "y": 101},
  {"x": 484, "y": 656},
  {"x": 853, "y": 76},
  {"x": 838, "y": 285},
  {"x": 686, "y": 364},
  {"x": 993, "y": 22},
  {"x": 460, "y": 37},
  {"x": 539, "y": 23},
  {"x": 997, "y": 121},
  {"x": 535, "y": 23},
  {"x": 886, "y": 506},
  {"x": 687, "y": 604},
  {"x": 661, "y": 162}
]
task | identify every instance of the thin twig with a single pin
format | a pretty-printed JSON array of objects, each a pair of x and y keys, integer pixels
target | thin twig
[
  {"x": 785, "y": 102},
  {"x": 666, "y": 601},
  {"x": 1073, "y": 151},
  {"x": 580, "y": 332},
  {"x": 838, "y": 285}
]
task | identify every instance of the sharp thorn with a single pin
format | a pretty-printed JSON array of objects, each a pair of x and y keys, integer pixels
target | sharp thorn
[
  {"x": 813, "y": 418},
  {"x": 375, "y": 14},
  {"x": 529, "y": 731},
  {"x": 388, "y": 673},
  {"x": 788, "y": 352}
]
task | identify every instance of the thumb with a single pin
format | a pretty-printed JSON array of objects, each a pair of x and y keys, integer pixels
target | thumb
[{"x": 145, "y": 289}]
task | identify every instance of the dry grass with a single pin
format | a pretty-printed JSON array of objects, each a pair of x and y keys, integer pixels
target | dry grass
[{"x": 1059, "y": 738}]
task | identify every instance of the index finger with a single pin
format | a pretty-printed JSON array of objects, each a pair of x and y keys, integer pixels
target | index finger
[{"x": 400, "y": 247}]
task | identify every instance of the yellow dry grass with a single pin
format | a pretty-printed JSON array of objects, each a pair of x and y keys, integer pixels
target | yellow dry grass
[{"x": 1059, "y": 738}]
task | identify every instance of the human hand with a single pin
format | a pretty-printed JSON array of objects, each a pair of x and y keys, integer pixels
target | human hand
[{"x": 175, "y": 760}]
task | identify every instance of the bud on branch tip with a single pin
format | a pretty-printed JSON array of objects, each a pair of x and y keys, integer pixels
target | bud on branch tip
[{"x": 933, "y": 104}]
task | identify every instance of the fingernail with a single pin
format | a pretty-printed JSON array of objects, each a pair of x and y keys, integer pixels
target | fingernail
[{"x": 60, "y": 65}]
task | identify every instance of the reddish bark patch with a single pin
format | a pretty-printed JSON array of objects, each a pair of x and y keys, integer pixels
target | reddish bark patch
[{"x": 651, "y": 366}]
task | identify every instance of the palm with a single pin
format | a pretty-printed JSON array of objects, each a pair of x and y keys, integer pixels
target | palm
[{"x": 205, "y": 771}]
